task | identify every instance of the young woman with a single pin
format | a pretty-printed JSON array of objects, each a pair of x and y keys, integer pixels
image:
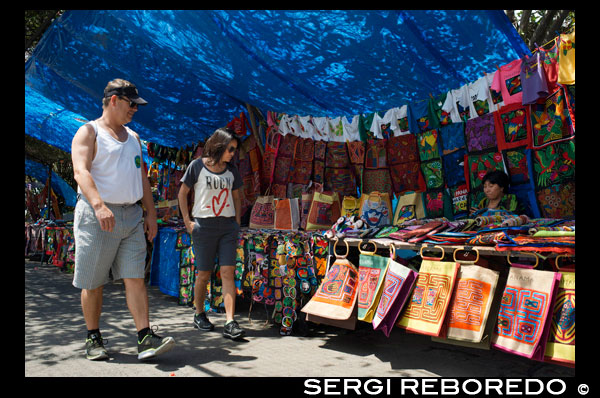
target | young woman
[{"x": 216, "y": 222}]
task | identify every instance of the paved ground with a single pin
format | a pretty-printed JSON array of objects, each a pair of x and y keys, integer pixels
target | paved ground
[{"x": 55, "y": 334}]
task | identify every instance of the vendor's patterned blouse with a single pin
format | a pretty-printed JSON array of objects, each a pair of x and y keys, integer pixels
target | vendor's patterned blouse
[{"x": 508, "y": 202}]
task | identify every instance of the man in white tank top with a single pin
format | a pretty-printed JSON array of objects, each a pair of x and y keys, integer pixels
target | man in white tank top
[{"x": 109, "y": 225}]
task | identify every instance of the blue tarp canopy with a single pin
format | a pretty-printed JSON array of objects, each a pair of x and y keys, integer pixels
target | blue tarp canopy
[
  {"x": 60, "y": 186},
  {"x": 197, "y": 69}
]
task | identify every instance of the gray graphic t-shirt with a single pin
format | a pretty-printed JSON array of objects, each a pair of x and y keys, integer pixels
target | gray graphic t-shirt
[{"x": 212, "y": 191}]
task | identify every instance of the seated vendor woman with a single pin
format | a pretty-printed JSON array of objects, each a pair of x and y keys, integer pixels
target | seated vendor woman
[{"x": 495, "y": 188}]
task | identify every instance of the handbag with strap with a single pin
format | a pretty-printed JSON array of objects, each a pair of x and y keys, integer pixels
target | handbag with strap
[
  {"x": 334, "y": 302},
  {"x": 525, "y": 316},
  {"x": 428, "y": 305},
  {"x": 262, "y": 215},
  {"x": 350, "y": 206},
  {"x": 371, "y": 273},
  {"x": 376, "y": 209},
  {"x": 560, "y": 347},
  {"x": 397, "y": 286},
  {"x": 287, "y": 214},
  {"x": 409, "y": 207},
  {"x": 324, "y": 211}
]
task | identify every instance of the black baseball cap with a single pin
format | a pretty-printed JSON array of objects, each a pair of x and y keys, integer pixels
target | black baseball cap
[{"x": 130, "y": 92}]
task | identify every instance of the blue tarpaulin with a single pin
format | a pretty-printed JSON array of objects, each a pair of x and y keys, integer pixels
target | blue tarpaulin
[
  {"x": 60, "y": 186},
  {"x": 197, "y": 69}
]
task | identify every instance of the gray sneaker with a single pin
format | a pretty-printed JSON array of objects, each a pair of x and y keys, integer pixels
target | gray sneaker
[
  {"x": 201, "y": 322},
  {"x": 153, "y": 345},
  {"x": 233, "y": 330},
  {"x": 94, "y": 348}
]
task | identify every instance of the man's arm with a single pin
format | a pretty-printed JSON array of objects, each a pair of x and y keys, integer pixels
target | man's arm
[{"x": 82, "y": 154}]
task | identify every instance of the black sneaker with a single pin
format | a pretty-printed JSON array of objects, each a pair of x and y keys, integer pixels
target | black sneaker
[
  {"x": 233, "y": 331},
  {"x": 94, "y": 347},
  {"x": 201, "y": 322},
  {"x": 153, "y": 345}
]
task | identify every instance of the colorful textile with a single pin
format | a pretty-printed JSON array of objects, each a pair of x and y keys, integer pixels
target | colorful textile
[
  {"x": 402, "y": 149},
  {"x": 432, "y": 172},
  {"x": 397, "y": 286},
  {"x": 376, "y": 209},
  {"x": 554, "y": 164},
  {"x": 507, "y": 80},
  {"x": 336, "y": 155},
  {"x": 560, "y": 347},
  {"x": 426, "y": 311},
  {"x": 454, "y": 167},
  {"x": 409, "y": 207},
  {"x": 356, "y": 152},
  {"x": 550, "y": 64},
  {"x": 513, "y": 126},
  {"x": 371, "y": 273},
  {"x": 551, "y": 120},
  {"x": 480, "y": 133},
  {"x": 427, "y": 142},
  {"x": 340, "y": 180},
  {"x": 533, "y": 79},
  {"x": 376, "y": 180},
  {"x": 421, "y": 116},
  {"x": 557, "y": 201},
  {"x": 471, "y": 303},
  {"x": 525, "y": 312},
  {"x": 407, "y": 177},
  {"x": 335, "y": 298},
  {"x": 508, "y": 202},
  {"x": 320, "y": 149},
  {"x": 376, "y": 154},
  {"x": 479, "y": 165},
  {"x": 566, "y": 65},
  {"x": 452, "y": 137},
  {"x": 517, "y": 163},
  {"x": 434, "y": 203},
  {"x": 459, "y": 195}
]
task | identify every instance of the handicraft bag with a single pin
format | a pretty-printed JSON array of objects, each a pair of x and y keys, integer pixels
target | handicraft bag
[
  {"x": 263, "y": 213},
  {"x": 560, "y": 347},
  {"x": 287, "y": 214},
  {"x": 409, "y": 207},
  {"x": 376, "y": 174},
  {"x": 376, "y": 209},
  {"x": 324, "y": 211},
  {"x": 431, "y": 296},
  {"x": 334, "y": 302},
  {"x": 524, "y": 320},
  {"x": 350, "y": 206},
  {"x": 471, "y": 304},
  {"x": 371, "y": 273},
  {"x": 397, "y": 286}
]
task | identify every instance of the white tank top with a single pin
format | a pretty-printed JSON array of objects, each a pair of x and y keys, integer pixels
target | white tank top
[{"x": 116, "y": 167}]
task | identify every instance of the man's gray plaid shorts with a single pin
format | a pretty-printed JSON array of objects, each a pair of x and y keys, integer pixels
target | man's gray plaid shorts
[{"x": 97, "y": 252}]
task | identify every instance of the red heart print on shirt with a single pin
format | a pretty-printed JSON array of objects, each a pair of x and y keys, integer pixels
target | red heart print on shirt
[{"x": 216, "y": 201}]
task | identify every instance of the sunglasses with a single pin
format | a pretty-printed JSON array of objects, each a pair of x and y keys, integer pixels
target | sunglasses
[
  {"x": 231, "y": 149},
  {"x": 131, "y": 103}
]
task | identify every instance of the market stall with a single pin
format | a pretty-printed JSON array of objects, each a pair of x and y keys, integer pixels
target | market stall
[{"x": 419, "y": 259}]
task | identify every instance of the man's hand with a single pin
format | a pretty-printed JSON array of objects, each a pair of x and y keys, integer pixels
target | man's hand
[
  {"x": 106, "y": 218},
  {"x": 150, "y": 227}
]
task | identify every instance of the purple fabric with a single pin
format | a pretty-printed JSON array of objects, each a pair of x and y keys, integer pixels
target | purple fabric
[
  {"x": 480, "y": 133},
  {"x": 390, "y": 317},
  {"x": 533, "y": 79}
]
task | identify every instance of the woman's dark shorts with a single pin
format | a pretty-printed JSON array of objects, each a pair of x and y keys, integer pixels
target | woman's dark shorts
[{"x": 214, "y": 236}]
